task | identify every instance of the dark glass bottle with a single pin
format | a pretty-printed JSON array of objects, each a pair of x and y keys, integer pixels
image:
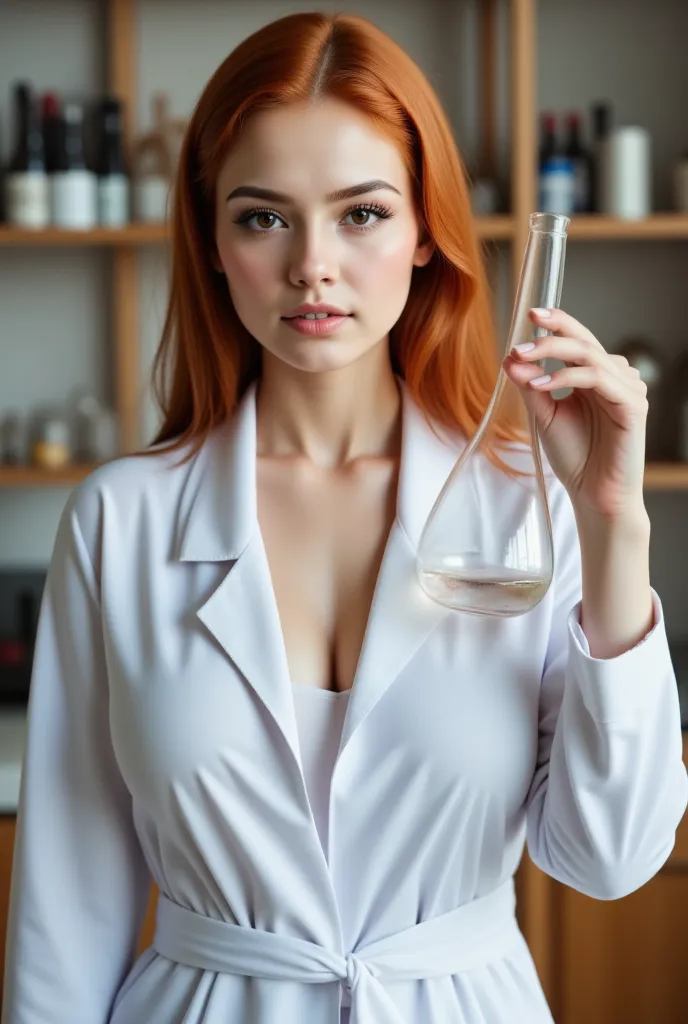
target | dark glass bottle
[
  {"x": 601, "y": 124},
  {"x": 53, "y": 131},
  {"x": 582, "y": 161},
  {"x": 113, "y": 177},
  {"x": 27, "y": 197},
  {"x": 548, "y": 139}
]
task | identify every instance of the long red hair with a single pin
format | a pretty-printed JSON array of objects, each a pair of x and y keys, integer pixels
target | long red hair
[{"x": 443, "y": 345}]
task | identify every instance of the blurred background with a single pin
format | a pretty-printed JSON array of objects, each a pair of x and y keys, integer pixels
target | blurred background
[{"x": 572, "y": 106}]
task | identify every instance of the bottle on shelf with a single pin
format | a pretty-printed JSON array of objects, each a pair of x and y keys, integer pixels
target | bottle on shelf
[
  {"x": 680, "y": 183},
  {"x": 11, "y": 439},
  {"x": 113, "y": 177},
  {"x": 74, "y": 189},
  {"x": 548, "y": 139},
  {"x": 601, "y": 125},
  {"x": 53, "y": 130},
  {"x": 27, "y": 197},
  {"x": 626, "y": 173},
  {"x": 582, "y": 161},
  {"x": 155, "y": 159},
  {"x": 680, "y": 369},
  {"x": 555, "y": 171}
]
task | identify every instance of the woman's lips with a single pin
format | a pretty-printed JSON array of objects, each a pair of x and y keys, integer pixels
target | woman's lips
[{"x": 322, "y": 326}]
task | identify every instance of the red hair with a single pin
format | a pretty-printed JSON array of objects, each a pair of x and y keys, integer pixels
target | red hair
[{"x": 443, "y": 345}]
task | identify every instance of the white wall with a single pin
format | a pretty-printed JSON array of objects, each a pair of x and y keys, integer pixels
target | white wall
[{"x": 55, "y": 303}]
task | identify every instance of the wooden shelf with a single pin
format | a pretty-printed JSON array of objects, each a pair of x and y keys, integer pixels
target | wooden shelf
[
  {"x": 33, "y": 476},
  {"x": 496, "y": 227},
  {"x": 133, "y": 234},
  {"x": 666, "y": 476},
  {"x": 660, "y": 225}
]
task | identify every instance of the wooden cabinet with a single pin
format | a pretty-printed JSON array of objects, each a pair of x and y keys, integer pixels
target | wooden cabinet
[{"x": 624, "y": 962}]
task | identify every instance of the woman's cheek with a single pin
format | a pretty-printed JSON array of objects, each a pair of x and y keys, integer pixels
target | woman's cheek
[
  {"x": 385, "y": 269},
  {"x": 250, "y": 279},
  {"x": 247, "y": 269}
]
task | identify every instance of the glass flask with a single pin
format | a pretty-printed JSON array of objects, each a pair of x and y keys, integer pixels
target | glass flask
[{"x": 486, "y": 547}]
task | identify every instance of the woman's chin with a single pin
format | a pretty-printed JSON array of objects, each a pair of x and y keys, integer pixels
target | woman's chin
[{"x": 320, "y": 355}]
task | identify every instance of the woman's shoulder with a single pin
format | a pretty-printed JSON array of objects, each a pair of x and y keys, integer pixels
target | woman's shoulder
[{"x": 118, "y": 491}]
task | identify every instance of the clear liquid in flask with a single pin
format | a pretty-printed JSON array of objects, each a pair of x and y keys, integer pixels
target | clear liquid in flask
[
  {"x": 502, "y": 591},
  {"x": 487, "y": 548}
]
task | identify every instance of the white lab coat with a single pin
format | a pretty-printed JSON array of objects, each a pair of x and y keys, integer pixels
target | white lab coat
[{"x": 162, "y": 742}]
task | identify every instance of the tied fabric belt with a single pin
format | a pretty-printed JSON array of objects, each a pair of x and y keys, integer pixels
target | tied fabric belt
[{"x": 470, "y": 936}]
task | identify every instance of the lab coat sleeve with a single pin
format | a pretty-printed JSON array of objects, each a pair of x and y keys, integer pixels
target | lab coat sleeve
[
  {"x": 80, "y": 884},
  {"x": 610, "y": 786}
]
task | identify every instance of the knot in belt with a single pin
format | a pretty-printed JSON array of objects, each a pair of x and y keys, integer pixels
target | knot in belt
[
  {"x": 355, "y": 969},
  {"x": 470, "y": 936}
]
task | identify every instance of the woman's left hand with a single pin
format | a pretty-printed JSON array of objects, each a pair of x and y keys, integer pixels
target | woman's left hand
[{"x": 594, "y": 439}]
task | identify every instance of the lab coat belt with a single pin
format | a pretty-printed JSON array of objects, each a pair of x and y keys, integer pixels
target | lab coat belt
[{"x": 472, "y": 935}]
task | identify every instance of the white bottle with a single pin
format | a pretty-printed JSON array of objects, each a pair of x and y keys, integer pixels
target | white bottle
[
  {"x": 626, "y": 177},
  {"x": 74, "y": 186}
]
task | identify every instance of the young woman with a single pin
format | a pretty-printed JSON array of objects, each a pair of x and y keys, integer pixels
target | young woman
[{"x": 240, "y": 690}]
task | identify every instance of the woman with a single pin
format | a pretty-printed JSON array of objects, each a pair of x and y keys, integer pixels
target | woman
[{"x": 240, "y": 689}]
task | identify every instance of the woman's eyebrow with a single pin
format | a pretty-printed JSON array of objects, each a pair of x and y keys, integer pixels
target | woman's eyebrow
[{"x": 252, "y": 192}]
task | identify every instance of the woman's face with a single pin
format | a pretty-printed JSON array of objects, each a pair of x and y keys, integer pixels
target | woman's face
[{"x": 283, "y": 238}]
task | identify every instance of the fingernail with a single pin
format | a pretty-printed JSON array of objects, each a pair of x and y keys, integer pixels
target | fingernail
[
  {"x": 536, "y": 381},
  {"x": 525, "y": 346},
  {"x": 543, "y": 313}
]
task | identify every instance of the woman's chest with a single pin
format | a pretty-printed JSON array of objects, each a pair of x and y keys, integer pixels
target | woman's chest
[{"x": 324, "y": 533}]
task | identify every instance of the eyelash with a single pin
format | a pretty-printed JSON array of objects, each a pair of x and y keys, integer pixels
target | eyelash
[{"x": 383, "y": 212}]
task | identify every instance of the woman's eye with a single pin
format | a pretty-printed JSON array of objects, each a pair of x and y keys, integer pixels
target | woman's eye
[
  {"x": 261, "y": 216},
  {"x": 366, "y": 213}
]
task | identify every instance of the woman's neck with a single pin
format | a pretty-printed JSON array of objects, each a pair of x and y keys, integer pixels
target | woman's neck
[{"x": 329, "y": 418}]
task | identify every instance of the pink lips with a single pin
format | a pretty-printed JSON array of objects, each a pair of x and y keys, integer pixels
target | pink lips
[{"x": 316, "y": 327}]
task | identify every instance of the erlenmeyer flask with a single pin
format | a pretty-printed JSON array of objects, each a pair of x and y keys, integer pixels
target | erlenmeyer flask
[{"x": 487, "y": 544}]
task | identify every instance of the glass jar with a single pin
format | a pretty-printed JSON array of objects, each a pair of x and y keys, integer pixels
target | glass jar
[
  {"x": 50, "y": 444},
  {"x": 11, "y": 439},
  {"x": 94, "y": 428}
]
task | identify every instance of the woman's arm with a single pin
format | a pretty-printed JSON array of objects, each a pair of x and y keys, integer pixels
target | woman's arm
[
  {"x": 80, "y": 884},
  {"x": 617, "y": 609},
  {"x": 610, "y": 786}
]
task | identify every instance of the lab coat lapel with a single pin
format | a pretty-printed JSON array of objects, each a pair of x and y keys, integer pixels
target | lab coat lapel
[
  {"x": 221, "y": 524},
  {"x": 401, "y": 615}
]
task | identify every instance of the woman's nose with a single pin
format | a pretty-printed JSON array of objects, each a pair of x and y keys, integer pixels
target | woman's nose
[{"x": 314, "y": 257}]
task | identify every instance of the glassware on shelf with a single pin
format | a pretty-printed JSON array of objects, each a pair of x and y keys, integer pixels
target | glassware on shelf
[
  {"x": 156, "y": 155},
  {"x": 646, "y": 357},
  {"x": 94, "y": 428},
  {"x": 679, "y": 412},
  {"x": 487, "y": 544},
  {"x": 11, "y": 439},
  {"x": 50, "y": 442}
]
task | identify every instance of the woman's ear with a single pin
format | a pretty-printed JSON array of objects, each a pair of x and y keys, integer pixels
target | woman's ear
[
  {"x": 217, "y": 262},
  {"x": 424, "y": 250}
]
